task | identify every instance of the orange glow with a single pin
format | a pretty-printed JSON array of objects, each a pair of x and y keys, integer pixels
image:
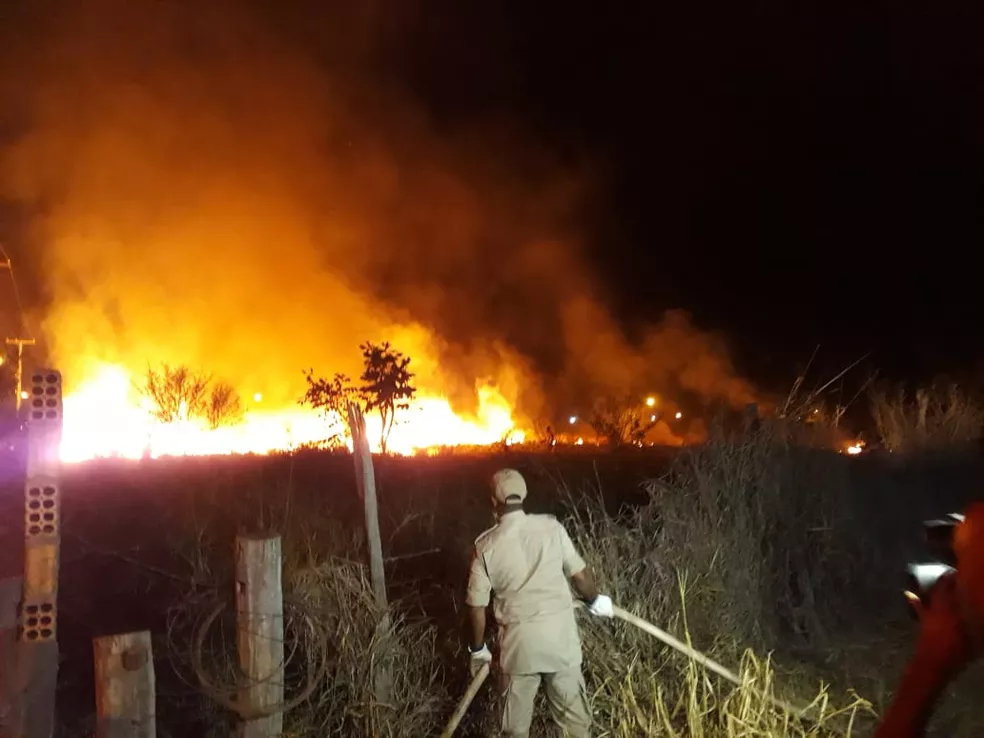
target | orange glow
[
  {"x": 251, "y": 215},
  {"x": 105, "y": 417}
]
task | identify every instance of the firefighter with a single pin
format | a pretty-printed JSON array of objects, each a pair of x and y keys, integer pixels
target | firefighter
[{"x": 527, "y": 562}]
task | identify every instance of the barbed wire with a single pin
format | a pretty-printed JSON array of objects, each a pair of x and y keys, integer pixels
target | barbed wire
[{"x": 304, "y": 638}]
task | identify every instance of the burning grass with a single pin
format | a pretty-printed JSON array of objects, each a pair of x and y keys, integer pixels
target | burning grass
[{"x": 775, "y": 558}]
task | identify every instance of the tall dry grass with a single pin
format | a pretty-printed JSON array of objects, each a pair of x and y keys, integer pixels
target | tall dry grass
[
  {"x": 765, "y": 550},
  {"x": 763, "y": 540},
  {"x": 336, "y": 640},
  {"x": 637, "y": 688},
  {"x": 762, "y": 529},
  {"x": 933, "y": 418},
  {"x": 691, "y": 560},
  {"x": 338, "y": 594},
  {"x": 734, "y": 553}
]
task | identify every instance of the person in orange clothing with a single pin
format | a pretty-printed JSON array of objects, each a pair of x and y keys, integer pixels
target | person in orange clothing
[{"x": 951, "y": 633}]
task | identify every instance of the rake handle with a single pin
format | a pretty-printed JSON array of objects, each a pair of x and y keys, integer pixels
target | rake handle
[
  {"x": 643, "y": 625},
  {"x": 462, "y": 707},
  {"x": 700, "y": 658},
  {"x": 679, "y": 645}
]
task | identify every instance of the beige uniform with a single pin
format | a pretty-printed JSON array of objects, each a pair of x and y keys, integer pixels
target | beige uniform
[{"x": 527, "y": 561}]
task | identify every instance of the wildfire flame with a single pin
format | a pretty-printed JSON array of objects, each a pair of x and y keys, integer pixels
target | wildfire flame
[{"x": 104, "y": 418}]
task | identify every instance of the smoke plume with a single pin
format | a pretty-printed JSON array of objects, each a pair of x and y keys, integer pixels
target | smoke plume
[{"x": 244, "y": 191}]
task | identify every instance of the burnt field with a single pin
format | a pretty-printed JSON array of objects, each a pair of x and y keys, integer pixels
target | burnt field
[{"x": 761, "y": 544}]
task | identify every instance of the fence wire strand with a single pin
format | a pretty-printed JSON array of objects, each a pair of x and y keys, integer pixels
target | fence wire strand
[{"x": 304, "y": 640}]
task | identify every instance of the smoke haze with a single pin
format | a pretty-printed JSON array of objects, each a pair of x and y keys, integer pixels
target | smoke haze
[{"x": 216, "y": 185}]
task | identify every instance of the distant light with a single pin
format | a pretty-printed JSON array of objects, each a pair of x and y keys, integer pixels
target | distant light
[
  {"x": 679, "y": 415},
  {"x": 650, "y": 401},
  {"x": 579, "y": 442},
  {"x": 572, "y": 420},
  {"x": 24, "y": 394},
  {"x": 258, "y": 397},
  {"x": 855, "y": 449},
  {"x": 652, "y": 418}
]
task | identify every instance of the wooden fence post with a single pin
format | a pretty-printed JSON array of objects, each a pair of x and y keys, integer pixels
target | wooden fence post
[
  {"x": 365, "y": 477},
  {"x": 38, "y": 651},
  {"x": 260, "y": 636},
  {"x": 125, "y": 686}
]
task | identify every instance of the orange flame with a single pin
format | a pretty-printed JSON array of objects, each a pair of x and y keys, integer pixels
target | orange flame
[{"x": 104, "y": 418}]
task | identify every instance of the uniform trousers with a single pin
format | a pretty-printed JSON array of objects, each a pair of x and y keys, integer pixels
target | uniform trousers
[{"x": 566, "y": 697}]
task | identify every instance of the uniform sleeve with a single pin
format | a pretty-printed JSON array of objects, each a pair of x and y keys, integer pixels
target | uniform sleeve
[
  {"x": 479, "y": 585},
  {"x": 573, "y": 563}
]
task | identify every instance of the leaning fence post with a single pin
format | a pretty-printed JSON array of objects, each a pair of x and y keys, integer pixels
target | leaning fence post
[
  {"x": 125, "y": 687},
  {"x": 260, "y": 636},
  {"x": 365, "y": 479},
  {"x": 38, "y": 650}
]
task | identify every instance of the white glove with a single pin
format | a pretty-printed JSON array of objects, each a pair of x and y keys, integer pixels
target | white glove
[
  {"x": 602, "y": 607},
  {"x": 478, "y": 659}
]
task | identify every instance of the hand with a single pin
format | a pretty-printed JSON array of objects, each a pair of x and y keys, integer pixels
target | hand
[
  {"x": 602, "y": 607},
  {"x": 478, "y": 659},
  {"x": 944, "y": 632}
]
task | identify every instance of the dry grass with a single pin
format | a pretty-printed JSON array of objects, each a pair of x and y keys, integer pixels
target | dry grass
[
  {"x": 761, "y": 529},
  {"x": 362, "y": 640},
  {"x": 739, "y": 533},
  {"x": 653, "y": 561},
  {"x": 638, "y": 688},
  {"x": 728, "y": 532},
  {"x": 772, "y": 555},
  {"x": 337, "y": 640},
  {"x": 642, "y": 688},
  {"x": 935, "y": 418}
]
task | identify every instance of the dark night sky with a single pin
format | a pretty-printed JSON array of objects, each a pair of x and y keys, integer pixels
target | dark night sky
[{"x": 793, "y": 176}]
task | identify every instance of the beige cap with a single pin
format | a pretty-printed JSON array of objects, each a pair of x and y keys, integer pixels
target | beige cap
[{"x": 508, "y": 483}]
